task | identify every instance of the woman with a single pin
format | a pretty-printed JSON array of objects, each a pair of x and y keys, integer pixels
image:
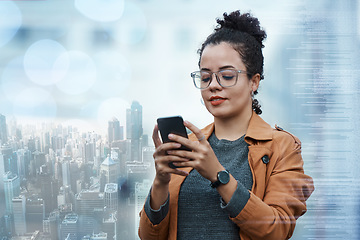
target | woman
[{"x": 242, "y": 179}]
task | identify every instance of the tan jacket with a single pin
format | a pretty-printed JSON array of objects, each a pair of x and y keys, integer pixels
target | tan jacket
[{"x": 280, "y": 188}]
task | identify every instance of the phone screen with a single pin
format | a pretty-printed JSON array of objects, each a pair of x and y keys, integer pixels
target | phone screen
[{"x": 173, "y": 125}]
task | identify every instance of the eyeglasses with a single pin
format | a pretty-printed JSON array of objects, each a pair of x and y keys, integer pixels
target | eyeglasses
[{"x": 226, "y": 78}]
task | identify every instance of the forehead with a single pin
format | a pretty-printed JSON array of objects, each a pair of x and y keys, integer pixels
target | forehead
[{"x": 219, "y": 55}]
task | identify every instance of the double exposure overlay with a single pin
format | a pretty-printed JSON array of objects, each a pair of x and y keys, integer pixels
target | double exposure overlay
[{"x": 82, "y": 83}]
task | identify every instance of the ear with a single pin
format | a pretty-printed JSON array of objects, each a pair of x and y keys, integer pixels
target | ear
[{"x": 254, "y": 82}]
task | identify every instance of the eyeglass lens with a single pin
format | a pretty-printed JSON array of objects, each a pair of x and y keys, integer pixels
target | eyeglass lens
[{"x": 225, "y": 78}]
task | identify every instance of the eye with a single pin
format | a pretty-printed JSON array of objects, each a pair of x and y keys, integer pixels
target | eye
[
  {"x": 228, "y": 75},
  {"x": 205, "y": 77}
]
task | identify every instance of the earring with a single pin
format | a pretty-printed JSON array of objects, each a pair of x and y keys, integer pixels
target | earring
[{"x": 202, "y": 101}]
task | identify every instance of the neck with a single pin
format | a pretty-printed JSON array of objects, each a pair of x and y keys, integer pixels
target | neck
[{"x": 232, "y": 128}]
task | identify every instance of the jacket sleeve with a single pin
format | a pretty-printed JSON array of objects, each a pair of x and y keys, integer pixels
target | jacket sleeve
[
  {"x": 149, "y": 231},
  {"x": 286, "y": 191}
]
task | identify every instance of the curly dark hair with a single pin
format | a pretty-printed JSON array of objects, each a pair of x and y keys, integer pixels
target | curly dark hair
[{"x": 244, "y": 34}]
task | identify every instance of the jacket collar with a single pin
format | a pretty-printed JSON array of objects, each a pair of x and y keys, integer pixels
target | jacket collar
[{"x": 258, "y": 129}]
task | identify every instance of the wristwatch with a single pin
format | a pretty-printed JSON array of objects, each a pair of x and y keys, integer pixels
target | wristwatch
[{"x": 223, "y": 177}]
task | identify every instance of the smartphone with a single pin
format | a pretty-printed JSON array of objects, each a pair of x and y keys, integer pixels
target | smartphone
[{"x": 173, "y": 125}]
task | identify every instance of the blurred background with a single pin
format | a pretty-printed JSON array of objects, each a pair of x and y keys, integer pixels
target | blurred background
[{"x": 83, "y": 81}]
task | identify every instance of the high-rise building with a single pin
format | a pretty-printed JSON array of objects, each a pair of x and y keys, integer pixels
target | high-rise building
[
  {"x": 109, "y": 226},
  {"x": 6, "y": 225},
  {"x": 9, "y": 159},
  {"x": 89, "y": 151},
  {"x": 109, "y": 168},
  {"x": 134, "y": 129},
  {"x": 88, "y": 203},
  {"x": 74, "y": 175},
  {"x": 3, "y": 130},
  {"x": 111, "y": 196},
  {"x": 23, "y": 162},
  {"x": 115, "y": 131},
  {"x": 11, "y": 188},
  {"x": 136, "y": 172},
  {"x": 147, "y": 155},
  {"x": 35, "y": 213},
  {"x": 39, "y": 160},
  {"x": 19, "y": 213},
  {"x": 49, "y": 191},
  {"x": 148, "y": 159},
  {"x": 65, "y": 167},
  {"x": 69, "y": 227},
  {"x": 141, "y": 192},
  {"x": 50, "y": 225},
  {"x": 45, "y": 142}
]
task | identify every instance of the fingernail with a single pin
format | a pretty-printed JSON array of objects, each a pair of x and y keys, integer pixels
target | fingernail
[{"x": 170, "y": 136}]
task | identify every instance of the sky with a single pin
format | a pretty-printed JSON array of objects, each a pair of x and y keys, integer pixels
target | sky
[{"x": 65, "y": 61}]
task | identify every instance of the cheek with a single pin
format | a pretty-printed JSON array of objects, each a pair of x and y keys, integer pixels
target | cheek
[{"x": 203, "y": 94}]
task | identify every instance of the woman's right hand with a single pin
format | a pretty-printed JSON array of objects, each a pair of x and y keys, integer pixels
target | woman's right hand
[
  {"x": 160, "y": 187},
  {"x": 163, "y": 160}
]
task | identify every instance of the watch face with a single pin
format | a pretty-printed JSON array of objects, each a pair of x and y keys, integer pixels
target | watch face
[{"x": 224, "y": 177}]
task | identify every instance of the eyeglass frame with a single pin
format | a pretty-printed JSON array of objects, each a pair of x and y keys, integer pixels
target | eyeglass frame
[{"x": 216, "y": 76}]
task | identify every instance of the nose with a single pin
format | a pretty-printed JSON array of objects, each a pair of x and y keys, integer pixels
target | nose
[{"x": 215, "y": 82}]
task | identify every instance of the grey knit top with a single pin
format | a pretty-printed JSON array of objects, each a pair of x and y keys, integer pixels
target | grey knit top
[{"x": 202, "y": 214}]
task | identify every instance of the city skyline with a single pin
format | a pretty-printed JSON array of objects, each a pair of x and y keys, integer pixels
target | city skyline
[
  {"x": 83, "y": 126},
  {"x": 61, "y": 183}
]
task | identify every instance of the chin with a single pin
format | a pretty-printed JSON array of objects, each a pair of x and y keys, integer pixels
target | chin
[{"x": 220, "y": 114}]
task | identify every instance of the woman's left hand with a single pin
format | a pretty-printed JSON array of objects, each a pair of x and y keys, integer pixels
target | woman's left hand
[{"x": 202, "y": 156}]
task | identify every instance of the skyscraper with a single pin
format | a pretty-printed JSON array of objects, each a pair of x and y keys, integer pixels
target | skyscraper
[
  {"x": 11, "y": 188},
  {"x": 141, "y": 192},
  {"x": 19, "y": 210},
  {"x": 89, "y": 151},
  {"x": 115, "y": 131},
  {"x": 109, "y": 168},
  {"x": 65, "y": 167},
  {"x": 69, "y": 227},
  {"x": 35, "y": 213},
  {"x": 51, "y": 224},
  {"x": 88, "y": 203},
  {"x": 9, "y": 159},
  {"x": 109, "y": 226},
  {"x": 23, "y": 162},
  {"x": 48, "y": 191},
  {"x": 111, "y": 196},
  {"x": 134, "y": 129},
  {"x": 3, "y": 130}
]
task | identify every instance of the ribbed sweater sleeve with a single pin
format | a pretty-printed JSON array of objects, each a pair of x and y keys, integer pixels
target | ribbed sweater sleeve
[{"x": 156, "y": 216}]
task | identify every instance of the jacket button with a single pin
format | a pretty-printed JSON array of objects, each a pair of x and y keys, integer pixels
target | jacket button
[
  {"x": 265, "y": 159},
  {"x": 279, "y": 128}
]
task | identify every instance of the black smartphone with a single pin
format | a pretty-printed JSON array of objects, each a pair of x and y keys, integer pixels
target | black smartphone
[{"x": 173, "y": 125}]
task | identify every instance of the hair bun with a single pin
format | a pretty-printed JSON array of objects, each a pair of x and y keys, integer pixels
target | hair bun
[{"x": 244, "y": 23}]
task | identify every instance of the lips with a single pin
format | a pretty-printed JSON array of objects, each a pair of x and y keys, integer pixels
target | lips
[{"x": 216, "y": 100}]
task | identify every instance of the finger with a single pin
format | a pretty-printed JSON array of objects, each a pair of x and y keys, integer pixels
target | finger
[
  {"x": 181, "y": 164},
  {"x": 155, "y": 136},
  {"x": 168, "y": 162},
  {"x": 182, "y": 140},
  {"x": 163, "y": 148},
  {"x": 175, "y": 165},
  {"x": 199, "y": 135},
  {"x": 180, "y": 172},
  {"x": 181, "y": 154}
]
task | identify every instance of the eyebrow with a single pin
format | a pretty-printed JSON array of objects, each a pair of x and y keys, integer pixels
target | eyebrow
[{"x": 221, "y": 68}]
